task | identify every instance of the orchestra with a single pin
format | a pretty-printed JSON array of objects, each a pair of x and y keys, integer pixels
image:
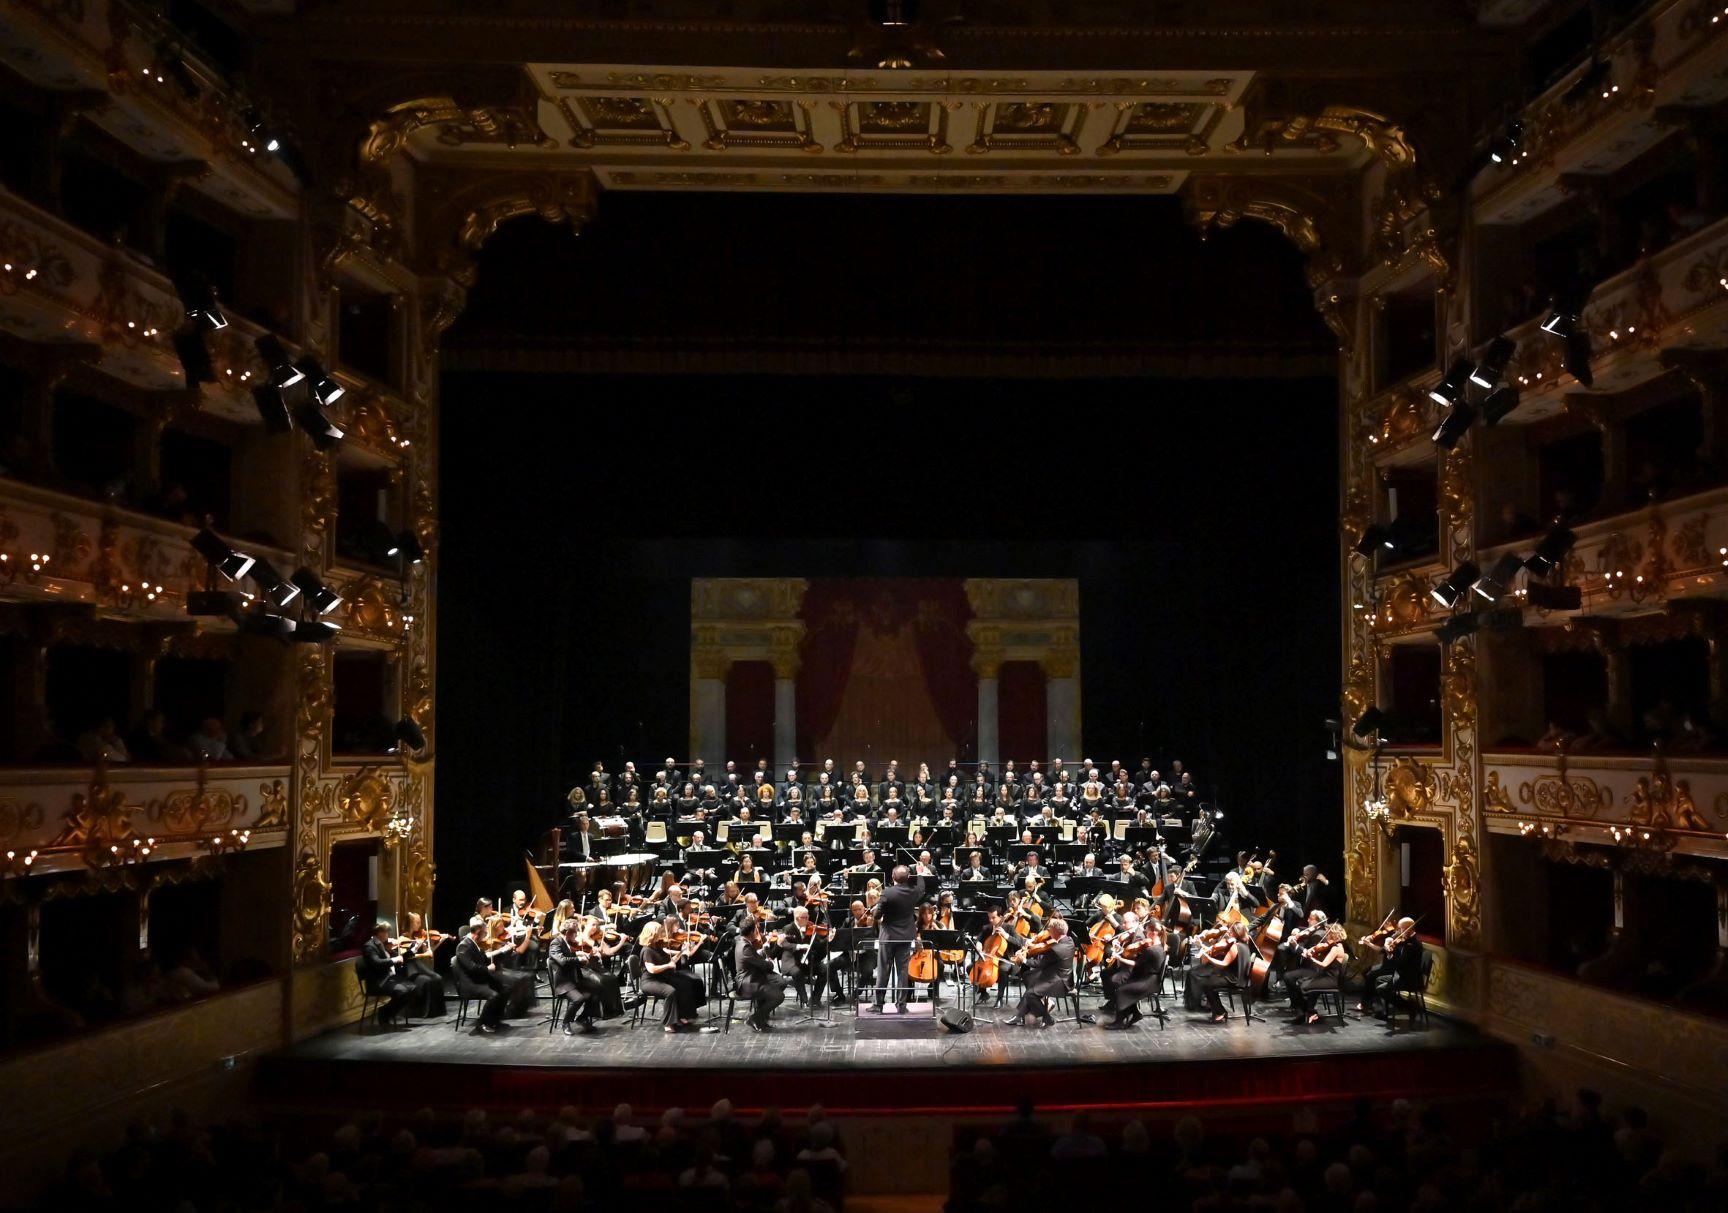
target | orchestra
[{"x": 1048, "y": 886}]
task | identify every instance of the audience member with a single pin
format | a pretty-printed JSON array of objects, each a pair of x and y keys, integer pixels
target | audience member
[
  {"x": 103, "y": 743},
  {"x": 210, "y": 742}
]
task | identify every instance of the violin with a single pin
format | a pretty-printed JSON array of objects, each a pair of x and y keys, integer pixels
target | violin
[{"x": 1373, "y": 938}]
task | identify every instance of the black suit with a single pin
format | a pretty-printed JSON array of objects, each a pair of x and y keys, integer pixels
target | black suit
[
  {"x": 1046, "y": 978},
  {"x": 896, "y": 928},
  {"x": 475, "y": 979},
  {"x": 378, "y": 971},
  {"x": 573, "y": 979},
  {"x": 758, "y": 980}
]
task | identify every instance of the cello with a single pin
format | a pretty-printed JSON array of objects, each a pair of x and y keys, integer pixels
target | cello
[
  {"x": 923, "y": 964},
  {"x": 987, "y": 969}
]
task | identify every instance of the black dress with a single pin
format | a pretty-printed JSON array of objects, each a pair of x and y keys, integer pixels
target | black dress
[
  {"x": 1142, "y": 980},
  {"x": 681, "y": 992}
]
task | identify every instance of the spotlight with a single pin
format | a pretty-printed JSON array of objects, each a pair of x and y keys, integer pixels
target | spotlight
[
  {"x": 408, "y": 548},
  {"x": 272, "y": 409},
  {"x": 320, "y": 597},
  {"x": 1457, "y": 627},
  {"x": 267, "y": 623},
  {"x": 1497, "y": 580},
  {"x": 1499, "y": 403},
  {"x": 894, "y": 13},
  {"x": 1450, "y": 589},
  {"x": 325, "y": 433},
  {"x": 1565, "y": 311},
  {"x": 1450, "y": 390},
  {"x": 1554, "y": 597},
  {"x": 275, "y": 356},
  {"x": 1375, "y": 538},
  {"x": 1495, "y": 359},
  {"x": 315, "y": 631},
  {"x": 194, "y": 357},
  {"x": 277, "y": 590},
  {"x": 410, "y": 734},
  {"x": 1576, "y": 358},
  {"x": 222, "y": 604},
  {"x": 1372, "y": 721},
  {"x": 1453, "y": 426},
  {"x": 325, "y": 390},
  {"x": 1547, "y": 556},
  {"x": 203, "y": 308},
  {"x": 225, "y": 560}
]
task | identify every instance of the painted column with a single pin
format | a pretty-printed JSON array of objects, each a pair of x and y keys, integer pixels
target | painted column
[
  {"x": 708, "y": 709},
  {"x": 988, "y": 665},
  {"x": 785, "y": 712},
  {"x": 1062, "y": 704}
]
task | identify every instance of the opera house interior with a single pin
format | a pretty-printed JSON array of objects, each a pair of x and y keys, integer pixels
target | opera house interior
[{"x": 905, "y": 604}]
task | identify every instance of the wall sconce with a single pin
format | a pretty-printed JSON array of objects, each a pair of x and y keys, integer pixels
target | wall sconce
[
  {"x": 18, "y": 863},
  {"x": 142, "y": 594},
  {"x": 398, "y": 829},
  {"x": 122, "y": 853},
  {"x": 1541, "y": 829},
  {"x": 225, "y": 844},
  {"x": 35, "y": 565}
]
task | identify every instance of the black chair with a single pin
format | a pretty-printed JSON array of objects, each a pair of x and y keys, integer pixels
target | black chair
[
  {"x": 1335, "y": 996},
  {"x": 372, "y": 1006},
  {"x": 1158, "y": 1011},
  {"x": 725, "y": 992},
  {"x": 467, "y": 992},
  {"x": 639, "y": 1012},
  {"x": 1415, "y": 1000}
]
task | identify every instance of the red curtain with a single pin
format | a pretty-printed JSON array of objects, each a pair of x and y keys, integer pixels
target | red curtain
[
  {"x": 886, "y": 673},
  {"x": 749, "y": 714},
  {"x": 1020, "y": 701}
]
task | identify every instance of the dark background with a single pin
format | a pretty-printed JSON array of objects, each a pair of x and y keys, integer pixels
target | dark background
[{"x": 1199, "y": 515}]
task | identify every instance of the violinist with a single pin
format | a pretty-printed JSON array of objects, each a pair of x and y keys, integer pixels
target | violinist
[
  {"x": 1225, "y": 963},
  {"x": 666, "y": 973},
  {"x": 1047, "y": 958},
  {"x": 1294, "y": 943},
  {"x": 433, "y": 946},
  {"x": 381, "y": 970},
  {"x": 477, "y": 977},
  {"x": 1138, "y": 956},
  {"x": 1322, "y": 967},
  {"x": 574, "y": 976},
  {"x": 803, "y": 958},
  {"x": 758, "y": 982},
  {"x": 562, "y": 913},
  {"x": 603, "y": 943},
  {"x": 1400, "y": 967},
  {"x": 926, "y": 866}
]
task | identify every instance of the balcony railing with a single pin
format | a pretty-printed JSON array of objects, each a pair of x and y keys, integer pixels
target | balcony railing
[
  {"x": 55, "y": 819},
  {"x": 1676, "y": 803}
]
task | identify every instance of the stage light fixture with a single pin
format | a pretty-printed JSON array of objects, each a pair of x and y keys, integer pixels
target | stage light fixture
[
  {"x": 1495, "y": 359},
  {"x": 225, "y": 560},
  {"x": 408, "y": 548},
  {"x": 1499, "y": 403},
  {"x": 320, "y": 597},
  {"x": 1450, "y": 390},
  {"x": 272, "y": 409},
  {"x": 1453, "y": 426},
  {"x": 277, "y": 590},
  {"x": 1448, "y": 590},
  {"x": 1493, "y": 584},
  {"x": 1548, "y": 554},
  {"x": 325, "y": 433},
  {"x": 194, "y": 356},
  {"x": 222, "y": 604},
  {"x": 1375, "y": 538},
  {"x": 410, "y": 735},
  {"x": 1565, "y": 311},
  {"x": 1370, "y": 722},
  {"x": 203, "y": 308},
  {"x": 1576, "y": 356},
  {"x": 894, "y": 14},
  {"x": 1554, "y": 597},
  {"x": 325, "y": 390},
  {"x": 267, "y": 623},
  {"x": 277, "y": 359},
  {"x": 315, "y": 631},
  {"x": 253, "y": 120}
]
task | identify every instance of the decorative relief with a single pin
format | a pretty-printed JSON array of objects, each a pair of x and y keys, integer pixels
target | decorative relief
[
  {"x": 1026, "y": 599},
  {"x": 1663, "y": 804},
  {"x": 35, "y": 262},
  {"x": 1464, "y": 896},
  {"x": 272, "y": 805},
  {"x": 1319, "y": 133},
  {"x": 195, "y": 811},
  {"x": 733, "y": 123},
  {"x": 311, "y": 900},
  {"x": 1027, "y": 125},
  {"x": 1410, "y": 787},
  {"x": 893, "y": 125},
  {"x": 1565, "y": 796},
  {"x": 747, "y": 598},
  {"x": 367, "y": 799}
]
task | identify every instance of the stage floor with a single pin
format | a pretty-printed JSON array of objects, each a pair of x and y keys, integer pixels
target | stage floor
[{"x": 890, "y": 1065}]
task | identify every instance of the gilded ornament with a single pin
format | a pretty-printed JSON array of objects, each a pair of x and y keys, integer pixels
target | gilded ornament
[
  {"x": 366, "y": 799},
  {"x": 1410, "y": 787},
  {"x": 99, "y": 817},
  {"x": 311, "y": 909},
  {"x": 1359, "y": 864},
  {"x": 1496, "y": 797},
  {"x": 17, "y": 816},
  {"x": 1463, "y": 896},
  {"x": 1690, "y": 549},
  {"x": 272, "y": 805}
]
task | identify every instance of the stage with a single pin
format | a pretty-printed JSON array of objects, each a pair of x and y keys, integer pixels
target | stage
[{"x": 861, "y": 1065}]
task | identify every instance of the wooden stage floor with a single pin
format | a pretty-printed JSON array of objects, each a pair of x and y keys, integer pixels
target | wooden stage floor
[{"x": 861, "y": 1063}]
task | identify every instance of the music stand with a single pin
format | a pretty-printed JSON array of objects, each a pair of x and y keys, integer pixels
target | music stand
[
  {"x": 939, "y": 941},
  {"x": 887, "y": 838}
]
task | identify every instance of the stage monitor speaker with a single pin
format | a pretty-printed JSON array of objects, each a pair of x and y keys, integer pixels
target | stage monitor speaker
[{"x": 956, "y": 1021}]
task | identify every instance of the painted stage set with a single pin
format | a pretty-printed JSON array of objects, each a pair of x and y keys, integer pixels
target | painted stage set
[{"x": 868, "y": 1064}]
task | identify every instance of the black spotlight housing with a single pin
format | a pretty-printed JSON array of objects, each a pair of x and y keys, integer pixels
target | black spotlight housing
[
  {"x": 1495, "y": 359},
  {"x": 1453, "y": 426},
  {"x": 325, "y": 390},
  {"x": 220, "y": 604},
  {"x": 1457, "y": 627},
  {"x": 277, "y": 590},
  {"x": 316, "y": 631},
  {"x": 1370, "y": 722},
  {"x": 325, "y": 434},
  {"x": 1576, "y": 356},
  {"x": 267, "y": 623},
  {"x": 275, "y": 356},
  {"x": 409, "y": 734},
  {"x": 1494, "y": 584},
  {"x": 1375, "y": 538},
  {"x": 1449, "y": 589},
  {"x": 1450, "y": 390},
  {"x": 1500, "y": 402},
  {"x": 203, "y": 308},
  {"x": 1566, "y": 311},
  {"x": 194, "y": 356},
  {"x": 1554, "y": 597},
  {"x": 272, "y": 409},
  {"x": 225, "y": 560},
  {"x": 320, "y": 597},
  {"x": 1553, "y": 548}
]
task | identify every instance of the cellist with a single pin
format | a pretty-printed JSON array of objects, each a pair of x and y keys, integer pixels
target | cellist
[{"x": 993, "y": 942}]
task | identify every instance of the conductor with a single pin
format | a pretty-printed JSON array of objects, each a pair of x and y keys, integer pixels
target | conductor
[{"x": 896, "y": 928}]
